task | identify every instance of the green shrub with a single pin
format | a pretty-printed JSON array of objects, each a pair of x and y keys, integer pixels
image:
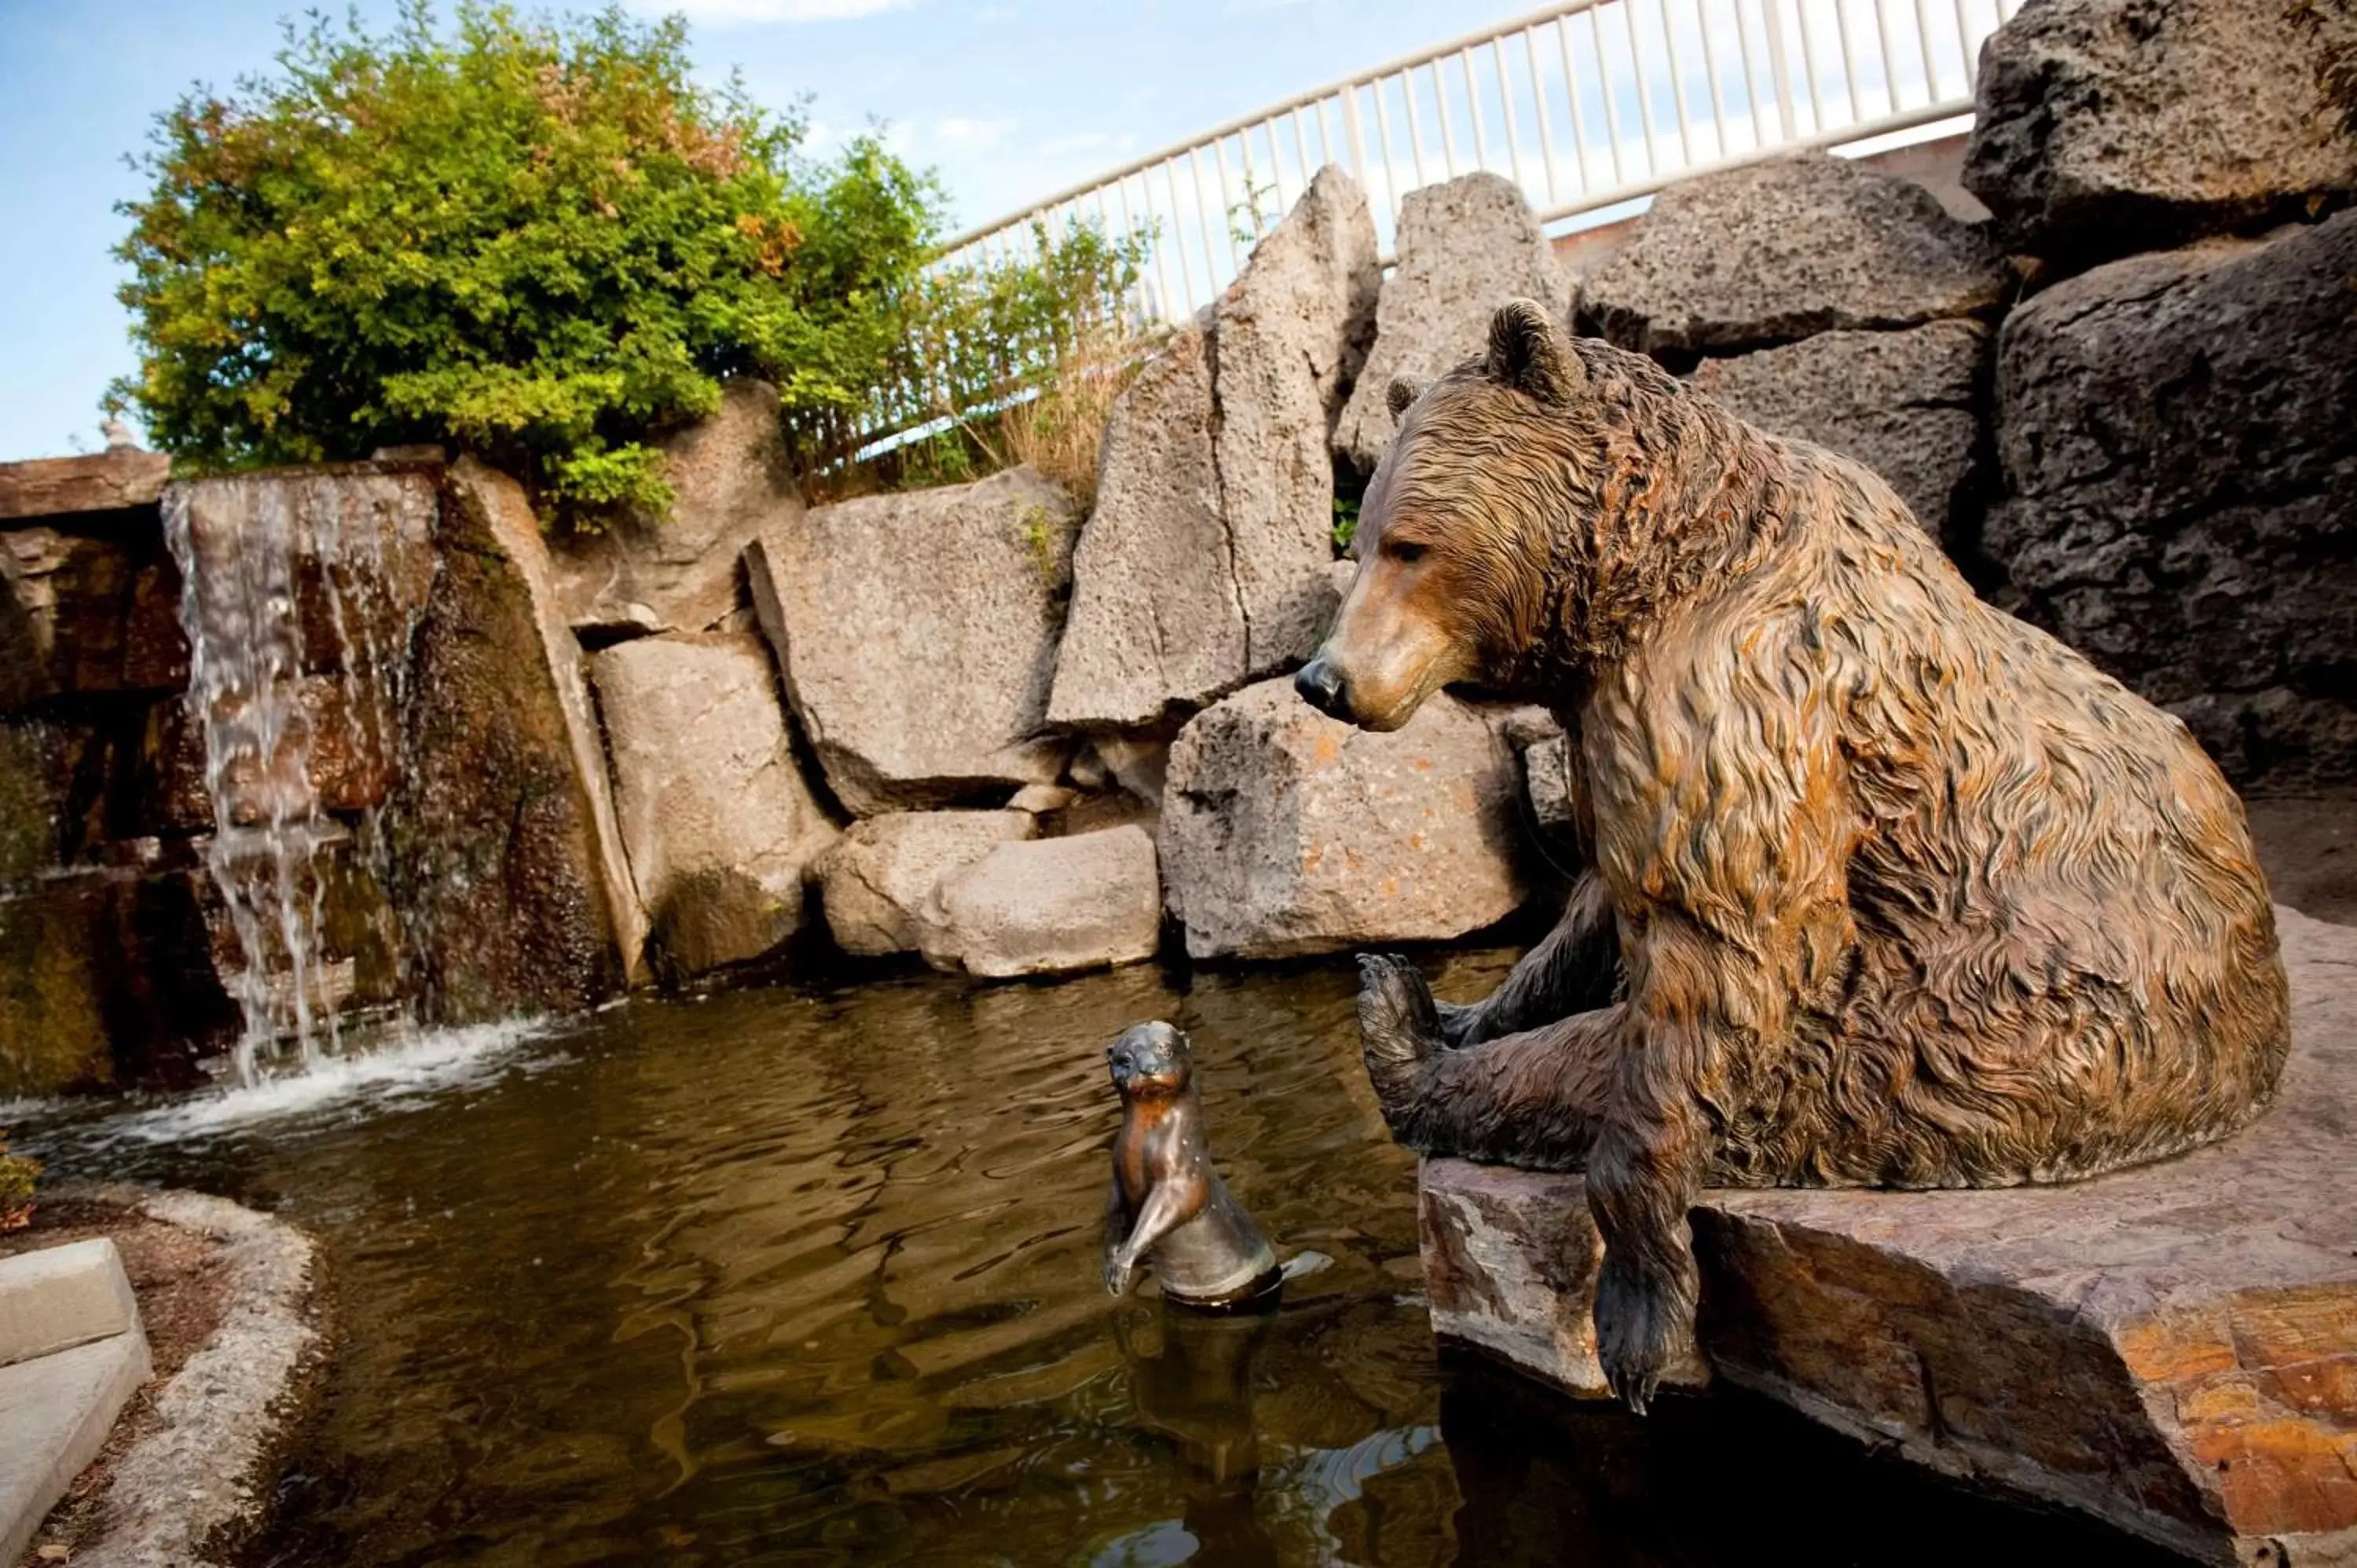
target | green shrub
[
  {"x": 17, "y": 1174},
  {"x": 542, "y": 241}
]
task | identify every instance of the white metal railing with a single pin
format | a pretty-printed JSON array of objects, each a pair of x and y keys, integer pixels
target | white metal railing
[{"x": 1586, "y": 106}]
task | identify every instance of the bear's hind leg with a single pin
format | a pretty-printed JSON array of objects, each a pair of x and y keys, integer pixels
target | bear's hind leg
[{"x": 1531, "y": 1099}]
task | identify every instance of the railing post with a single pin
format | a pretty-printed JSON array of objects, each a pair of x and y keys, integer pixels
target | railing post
[{"x": 1773, "y": 13}]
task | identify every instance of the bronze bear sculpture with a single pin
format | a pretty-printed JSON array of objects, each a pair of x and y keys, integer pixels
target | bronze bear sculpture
[{"x": 1888, "y": 888}]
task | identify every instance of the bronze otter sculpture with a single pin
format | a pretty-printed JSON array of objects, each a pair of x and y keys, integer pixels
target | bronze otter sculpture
[
  {"x": 1888, "y": 888},
  {"x": 1168, "y": 1206}
]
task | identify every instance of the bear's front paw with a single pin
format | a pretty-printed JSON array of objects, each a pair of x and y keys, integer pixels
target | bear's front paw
[
  {"x": 1117, "y": 1272},
  {"x": 1399, "y": 1029},
  {"x": 1645, "y": 1321}
]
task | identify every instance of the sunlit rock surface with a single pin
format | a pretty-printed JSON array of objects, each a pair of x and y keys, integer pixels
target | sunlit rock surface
[
  {"x": 1285, "y": 832},
  {"x": 731, "y": 479},
  {"x": 2172, "y": 1348},
  {"x": 720, "y": 824},
  {"x": 1465, "y": 247},
  {"x": 917, "y": 636},
  {"x": 876, "y": 880},
  {"x": 2105, "y": 126},
  {"x": 1781, "y": 249},
  {"x": 1048, "y": 906}
]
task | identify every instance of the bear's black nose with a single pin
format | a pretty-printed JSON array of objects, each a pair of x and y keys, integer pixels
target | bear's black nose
[{"x": 1320, "y": 685}]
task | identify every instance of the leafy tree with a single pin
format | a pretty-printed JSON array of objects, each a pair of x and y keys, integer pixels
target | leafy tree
[{"x": 538, "y": 238}]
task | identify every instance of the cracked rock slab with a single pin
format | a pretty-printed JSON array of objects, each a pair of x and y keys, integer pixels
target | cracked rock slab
[
  {"x": 1048, "y": 906},
  {"x": 1205, "y": 564},
  {"x": 2171, "y": 1348},
  {"x": 1786, "y": 248},
  {"x": 1906, "y": 404}
]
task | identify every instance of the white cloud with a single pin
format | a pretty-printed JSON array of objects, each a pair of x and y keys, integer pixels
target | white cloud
[
  {"x": 736, "y": 13},
  {"x": 981, "y": 136},
  {"x": 1090, "y": 142}
]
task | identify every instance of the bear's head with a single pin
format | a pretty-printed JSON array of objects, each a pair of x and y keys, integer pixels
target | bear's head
[{"x": 1510, "y": 485}]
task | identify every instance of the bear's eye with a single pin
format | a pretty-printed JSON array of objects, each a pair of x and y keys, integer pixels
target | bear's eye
[{"x": 1406, "y": 551}]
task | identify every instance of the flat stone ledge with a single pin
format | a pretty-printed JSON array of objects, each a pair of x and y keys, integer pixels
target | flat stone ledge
[
  {"x": 2173, "y": 1349},
  {"x": 59, "y": 1297},
  {"x": 57, "y": 1410},
  {"x": 101, "y": 481}
]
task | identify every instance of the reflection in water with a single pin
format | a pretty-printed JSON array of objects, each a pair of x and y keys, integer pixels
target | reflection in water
[{"x": 809, "y": 1276}]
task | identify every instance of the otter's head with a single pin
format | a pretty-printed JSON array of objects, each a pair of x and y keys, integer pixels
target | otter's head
[
  {"x": 1459, "y": 532},
  {"x": 1149, "y": 1059}
]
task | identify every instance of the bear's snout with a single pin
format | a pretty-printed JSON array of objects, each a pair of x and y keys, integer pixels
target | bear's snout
[{"x": 1320, "y": 685}]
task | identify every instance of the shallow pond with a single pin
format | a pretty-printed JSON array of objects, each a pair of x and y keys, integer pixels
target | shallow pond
[{"x": 808, "y": 1275}]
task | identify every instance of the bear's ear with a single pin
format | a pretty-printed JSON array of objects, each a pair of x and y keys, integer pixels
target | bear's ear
[
  {"x": 1402, "y": 392},
  {"x": 1530, "y": 353}
]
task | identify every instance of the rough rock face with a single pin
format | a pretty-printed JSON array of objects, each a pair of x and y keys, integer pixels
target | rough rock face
[
  {"x": 918, "y": 635},
  {"x": 506, "y": 516},
  {"x": 1048, "y": 906},
  {"x": 720, "y": 825},
  {"x": 877, "y": 879},
  {"x": 1464, "y": 248},
  {"x": 1291, "y": 332},
  {"x": 1155, "y": 625},
  {"x": 2105, "y": 126},
  {"x": 1906, "y": 404},
  {"x": 1552, "y": 787},
  {"x": 2172, "y": 1348},
  {"x": 730, "y": 481},
  {"x": 1285, "y": 832},
  {"x": 2180, "y": 470},
  {"x": 1784, "y": 249},
  {"x": 499, "y": 869},
  {"x": 1204, "y": 564},
  {"x": 85, "y": 615}
]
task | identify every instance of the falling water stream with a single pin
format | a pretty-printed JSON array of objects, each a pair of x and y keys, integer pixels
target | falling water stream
[{"x": 255, "y": 552}]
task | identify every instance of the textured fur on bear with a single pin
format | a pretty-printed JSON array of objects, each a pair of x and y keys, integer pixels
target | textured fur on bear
[{"x": 1889, "y": 888}]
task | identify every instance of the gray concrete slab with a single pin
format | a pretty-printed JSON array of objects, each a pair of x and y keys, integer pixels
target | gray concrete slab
[{"x": 57, "y": 1410}]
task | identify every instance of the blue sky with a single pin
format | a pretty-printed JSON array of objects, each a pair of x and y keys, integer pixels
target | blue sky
[{"x": 1010, "y": 99}]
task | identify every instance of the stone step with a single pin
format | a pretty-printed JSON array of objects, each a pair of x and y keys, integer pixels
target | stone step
[
  {"x": 71, "y": 1354},
  {"x": 59, "y": 1297},
  {"x": 2173, "y": 1349}
]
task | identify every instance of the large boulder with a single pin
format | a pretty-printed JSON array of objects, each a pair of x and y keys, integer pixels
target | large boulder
[
  {"x": 1156, "y": 630},
  {"x": 1285, "y": 832},
  {"x": 877, "y": 878},
  {"x": 1464, "y": 248},
  {"x": 1906, "y": 404},
  {"x": 1785, "y": 248},
  {"x": 720, "y": 825},
  {"x": 1204, "y": 563},
  {"x": 1048, "y": 906},
  {"x": 1292, "y": 331},
  {"x": 2181, "y": 476},
  {"x": 2106, "y": 126},
  {"x": 918, "y": 635},
  {"x": 2171, "y": 1348},
  {"x": 731, "y": 479}
]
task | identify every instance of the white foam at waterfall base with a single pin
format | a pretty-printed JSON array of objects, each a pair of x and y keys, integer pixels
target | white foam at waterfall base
[{"x": 360, "y": 1083}]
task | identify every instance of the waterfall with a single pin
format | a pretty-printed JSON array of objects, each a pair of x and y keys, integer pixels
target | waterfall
[{"x": 297, "y": 610}]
